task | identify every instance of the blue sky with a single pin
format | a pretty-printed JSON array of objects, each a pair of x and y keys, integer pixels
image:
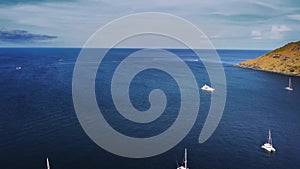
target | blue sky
[{"x": 229, "y": 24}]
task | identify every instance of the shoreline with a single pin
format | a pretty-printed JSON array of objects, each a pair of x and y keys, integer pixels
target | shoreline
[{"x": 264, "y": 70}]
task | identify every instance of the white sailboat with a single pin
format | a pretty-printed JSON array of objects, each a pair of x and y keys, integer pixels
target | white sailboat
[
  {"x": 289, "y": 88},
  {"x": 207, "y": 88},
  {"x": 184, "y": 166},
  {"x": 268, "y": 145},
  {"x": 48, "y": 164}
]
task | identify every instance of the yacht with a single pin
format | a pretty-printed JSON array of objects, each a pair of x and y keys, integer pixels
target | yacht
[
  {"x": 207, "y": 88},
  {"x": 268, "y": 145},
  {"x": 289, "y": 88},
  {"x": 184, "y": 166}
]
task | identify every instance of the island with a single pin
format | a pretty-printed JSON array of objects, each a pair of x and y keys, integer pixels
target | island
[{"x": 284, "y": 60}]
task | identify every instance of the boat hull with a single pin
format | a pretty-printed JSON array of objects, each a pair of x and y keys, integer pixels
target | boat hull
[
  {"x": 268, "y": 147},
  {"x": 207, "y": 88}
]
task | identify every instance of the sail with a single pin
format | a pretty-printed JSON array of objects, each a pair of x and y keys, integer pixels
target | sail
[
  {"x": 184, "y": 166},
  {"x": 185, "y": 158},
  {"x": 48, "y": 164},
  {"x": 270, "y": 138},
  {"x": 290, "y": 85}
]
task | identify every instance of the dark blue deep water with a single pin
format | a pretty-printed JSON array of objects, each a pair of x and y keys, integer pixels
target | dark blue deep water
[{"x": 38, "y": 120}]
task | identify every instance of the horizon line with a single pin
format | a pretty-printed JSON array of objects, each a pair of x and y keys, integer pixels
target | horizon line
[{"x": 170, "y": 48}]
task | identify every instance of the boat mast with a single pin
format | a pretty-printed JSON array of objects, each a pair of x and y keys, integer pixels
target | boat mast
[
  {"x": 48, "y": 165},
  {"x": 290, "y": 82},
  {"x": 270, "y": 137},
  {"x": 185, "y": 158}
]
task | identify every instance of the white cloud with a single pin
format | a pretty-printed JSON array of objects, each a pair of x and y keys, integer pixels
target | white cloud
[
  {"x": 294, "y": 17},
  {"x": 215, "y": 36},
  {"x": 277, "y": 31},
  {"x": 280, "y": 28},
  {"x": 256, "y": 34}
]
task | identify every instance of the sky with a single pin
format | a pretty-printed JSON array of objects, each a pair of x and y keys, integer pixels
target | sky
[{"x": 229, "y": 24}]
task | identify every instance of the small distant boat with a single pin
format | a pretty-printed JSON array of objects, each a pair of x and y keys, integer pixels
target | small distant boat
[
  {"x": 289, "y": 88},
  {"x": 207, "y": 88},
  {"x": 184, "y": 166},
  {"x": 48, "y": 164},
  {"x": 268, "y": 145},
  {"x": 18, "y": 68}
]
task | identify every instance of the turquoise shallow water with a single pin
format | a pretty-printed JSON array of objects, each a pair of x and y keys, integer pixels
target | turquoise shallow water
[{"x": 38, "y": 118}]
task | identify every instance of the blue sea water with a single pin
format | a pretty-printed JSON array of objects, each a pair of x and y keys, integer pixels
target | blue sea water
[{"x": 38, "y": 119}]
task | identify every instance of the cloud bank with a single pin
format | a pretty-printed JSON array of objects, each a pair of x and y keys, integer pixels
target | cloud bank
[
  {"x": 22, "y": 36},
  {"x": 275, "y": 32}
]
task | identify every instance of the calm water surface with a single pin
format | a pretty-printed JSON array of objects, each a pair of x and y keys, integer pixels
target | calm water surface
[{"x": 38, "y": 118}]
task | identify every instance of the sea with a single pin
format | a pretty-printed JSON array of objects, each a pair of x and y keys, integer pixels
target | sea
[{"x": 38, "y": 118}]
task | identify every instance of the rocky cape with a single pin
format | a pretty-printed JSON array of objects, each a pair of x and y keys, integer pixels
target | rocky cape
[{"x": 284, "y": 60}]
